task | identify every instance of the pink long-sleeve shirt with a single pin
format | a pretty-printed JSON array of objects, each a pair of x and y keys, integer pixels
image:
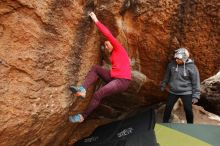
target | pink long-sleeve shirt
[{"x": 119, "y": 58}]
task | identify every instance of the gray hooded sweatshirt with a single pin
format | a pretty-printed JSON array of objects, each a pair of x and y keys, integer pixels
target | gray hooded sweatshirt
[{"x": 182, "y": 79}]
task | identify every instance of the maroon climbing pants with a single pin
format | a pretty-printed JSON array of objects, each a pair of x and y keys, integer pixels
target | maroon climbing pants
[{"x": 114, "y": 85}]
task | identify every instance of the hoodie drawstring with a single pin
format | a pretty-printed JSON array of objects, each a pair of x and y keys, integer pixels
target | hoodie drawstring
[
  {"x": 177, "y": 67},
  {"x": 184, "y": 72}
]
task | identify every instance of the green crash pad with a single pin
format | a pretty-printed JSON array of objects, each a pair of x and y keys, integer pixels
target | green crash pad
[{"x": 174, "y": 134}]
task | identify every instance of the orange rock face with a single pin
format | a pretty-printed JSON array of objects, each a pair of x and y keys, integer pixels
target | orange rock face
[{"x": 47, "y": 45}]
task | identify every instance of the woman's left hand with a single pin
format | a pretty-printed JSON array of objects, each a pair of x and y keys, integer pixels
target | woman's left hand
[{"x": 93, "y": 16}]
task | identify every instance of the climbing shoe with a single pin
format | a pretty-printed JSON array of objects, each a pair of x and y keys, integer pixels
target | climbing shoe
[
  {"x": 78, "y": 118},
  {"x": 78, "y": 91}
]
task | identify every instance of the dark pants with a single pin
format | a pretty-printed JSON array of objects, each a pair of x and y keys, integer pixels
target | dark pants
[
  {"x": 187, "y": 103},
  {"x": 114, "y": 85}
]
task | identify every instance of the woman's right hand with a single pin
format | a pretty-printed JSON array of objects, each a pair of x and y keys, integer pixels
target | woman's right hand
[{"x": 93, "y": 16}]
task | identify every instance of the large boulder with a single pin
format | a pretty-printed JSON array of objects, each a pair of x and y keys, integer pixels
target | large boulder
[{"x": 211, "y": 93}]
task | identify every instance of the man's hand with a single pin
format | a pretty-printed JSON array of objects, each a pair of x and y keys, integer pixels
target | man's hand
[
  {"x": 93, "y": 16},
  {"x": 162, "y": 89},
  {"x": 194, "y": 100}
]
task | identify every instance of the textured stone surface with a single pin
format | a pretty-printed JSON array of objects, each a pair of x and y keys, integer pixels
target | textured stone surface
[
  {"x": 46, "y": 45},
  {"x": 211, "y": 93}
]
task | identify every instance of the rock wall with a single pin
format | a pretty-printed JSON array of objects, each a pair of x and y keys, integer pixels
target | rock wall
[
  {"x": 211, "y": 93},
  {"x": 47, "y": 45}
]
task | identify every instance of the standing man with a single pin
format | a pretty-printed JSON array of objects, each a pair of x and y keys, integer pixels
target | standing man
[{"x": 182, "y": 76}]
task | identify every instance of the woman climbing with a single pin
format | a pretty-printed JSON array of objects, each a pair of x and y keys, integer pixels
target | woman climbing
[
  {"x": 117, "y": 78},
  {"x": 183, "y": 78}
]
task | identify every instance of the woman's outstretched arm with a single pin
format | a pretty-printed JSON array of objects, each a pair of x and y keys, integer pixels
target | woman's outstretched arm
[{"x": 105, "y": 31}]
